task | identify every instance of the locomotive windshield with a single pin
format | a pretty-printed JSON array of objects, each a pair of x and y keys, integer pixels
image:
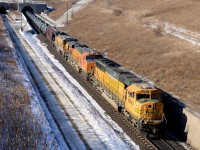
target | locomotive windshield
[
  {"x": 90, "y": 58},
  {"x": 140, "y": 96},
  {"x": 156, "y": 96}
]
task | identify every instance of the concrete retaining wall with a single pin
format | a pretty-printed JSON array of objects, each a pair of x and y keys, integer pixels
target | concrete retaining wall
[
  {"x": 36, "y": 7},
  {"x": 193, "y": 129},
  {"x": 182, "y": 122}
]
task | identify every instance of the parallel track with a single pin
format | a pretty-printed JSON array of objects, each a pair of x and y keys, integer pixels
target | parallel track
[{"x": 163, "y": 144}]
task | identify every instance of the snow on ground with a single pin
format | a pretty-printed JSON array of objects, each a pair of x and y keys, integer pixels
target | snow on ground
[
  {"x": 109, "y": 132},
  {"x": 76, "y": 7},
  {"x": 38, "y": 114},
  {"x": 169, "y": 28}
]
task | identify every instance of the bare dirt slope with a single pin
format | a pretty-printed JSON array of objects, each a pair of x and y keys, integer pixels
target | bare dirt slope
[{"x": 119, "y": 31}]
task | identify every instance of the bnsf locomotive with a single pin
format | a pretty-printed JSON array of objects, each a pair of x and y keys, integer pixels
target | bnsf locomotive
[{"x": 138, "y": 100}]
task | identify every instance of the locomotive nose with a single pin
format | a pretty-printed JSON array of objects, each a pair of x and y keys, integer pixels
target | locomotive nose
[
  {"x": 152, "y": 105},
  {"x": 154, "y": 110}
]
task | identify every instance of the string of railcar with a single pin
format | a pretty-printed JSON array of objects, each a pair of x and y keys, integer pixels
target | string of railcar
[{"x": 139, "y": 101}]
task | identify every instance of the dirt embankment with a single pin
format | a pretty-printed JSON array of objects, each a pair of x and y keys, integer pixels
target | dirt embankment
[{"x": 119, "y": 32}]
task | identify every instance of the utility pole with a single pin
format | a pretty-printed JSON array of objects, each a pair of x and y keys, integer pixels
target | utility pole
[
  {"x": 21, "y": 21},
  {"x": 72, "y": 12},
  {"x": 67, "y": 14},
  {"x": 109, "y": 2}
]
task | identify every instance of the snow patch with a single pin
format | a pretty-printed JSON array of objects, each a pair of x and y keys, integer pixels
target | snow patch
[
  {"x": 63, "y": 19},
  {"x": 177, "y": 31}
]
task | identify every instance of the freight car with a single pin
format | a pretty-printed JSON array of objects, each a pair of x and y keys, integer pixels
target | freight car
[{"x": 139, "y": 101}]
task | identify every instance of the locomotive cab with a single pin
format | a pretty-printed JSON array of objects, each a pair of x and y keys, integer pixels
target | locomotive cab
[{"x": 144, "y": 104}]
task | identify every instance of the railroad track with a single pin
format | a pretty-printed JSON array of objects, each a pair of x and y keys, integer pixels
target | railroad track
[{"x": 146, "y": 143}]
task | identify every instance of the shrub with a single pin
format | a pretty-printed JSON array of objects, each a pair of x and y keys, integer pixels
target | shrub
[{"x": 117, "y": 12}]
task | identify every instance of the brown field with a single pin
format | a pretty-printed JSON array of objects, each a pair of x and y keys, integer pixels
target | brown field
[{"x": 119, "y": 32}]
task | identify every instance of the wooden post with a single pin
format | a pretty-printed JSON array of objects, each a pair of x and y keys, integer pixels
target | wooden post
[
  {"x": 72, "y": 13},
  {"x": 109, "y": 3},
  {"x": 67, "y": 13}
]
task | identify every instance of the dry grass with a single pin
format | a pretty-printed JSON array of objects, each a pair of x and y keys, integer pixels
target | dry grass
[
  {"x": 143, "y": 14},
  {"x": 162, "y": 59}
]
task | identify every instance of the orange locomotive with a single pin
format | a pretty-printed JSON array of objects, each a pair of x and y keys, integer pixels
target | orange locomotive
[{"x": 79, "y": 55}]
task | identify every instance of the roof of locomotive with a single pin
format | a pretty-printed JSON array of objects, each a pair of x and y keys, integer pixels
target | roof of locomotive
[
  {"x": 80, "y": 45},
  {"x": 85, "y": 49},
  {"x": 67, "y": 38},
  {"x": 145, "y": 85},
  {"x": 121, "y": 73},
  {"x": 82, "y": 48},
  {"x": 142, "y": 86},
  {"x": 63, "y": 37},
  {"x": 72, "y": 43},
  {"x": 105, "y": 62}
]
